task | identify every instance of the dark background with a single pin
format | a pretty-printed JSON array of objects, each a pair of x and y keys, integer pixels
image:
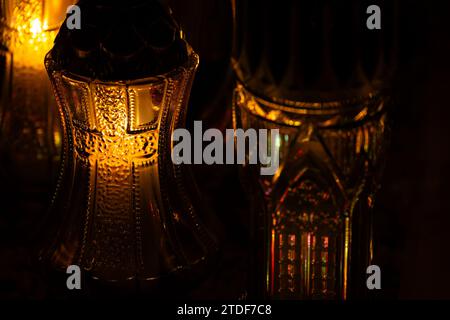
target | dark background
[{"x": 414, "y": 217}]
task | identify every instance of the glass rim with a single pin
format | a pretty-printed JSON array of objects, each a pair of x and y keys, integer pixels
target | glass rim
[{"x": 191, "y": 64}]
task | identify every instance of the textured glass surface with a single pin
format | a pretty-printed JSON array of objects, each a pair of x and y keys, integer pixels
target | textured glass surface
[{"x": 124, "y": 210}]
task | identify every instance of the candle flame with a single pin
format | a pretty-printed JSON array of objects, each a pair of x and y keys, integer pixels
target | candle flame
[
  {"x": 32, "y": 40},
  {"x": 36, "y": 26}
]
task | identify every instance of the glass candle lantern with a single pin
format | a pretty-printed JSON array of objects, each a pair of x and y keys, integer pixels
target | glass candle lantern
[
  {"x": 123, "y": 211},
  {"x": 315, "y": 72},
  {"x": 29, "y": 131}
]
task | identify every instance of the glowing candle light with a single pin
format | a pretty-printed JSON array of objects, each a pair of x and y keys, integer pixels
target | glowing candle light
[{"x": 29, "y": 134}]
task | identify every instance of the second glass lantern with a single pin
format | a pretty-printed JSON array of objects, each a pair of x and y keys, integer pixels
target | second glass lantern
[
  {"x": 30, "y": 138},
  {"x": 316, "y": 73}
]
